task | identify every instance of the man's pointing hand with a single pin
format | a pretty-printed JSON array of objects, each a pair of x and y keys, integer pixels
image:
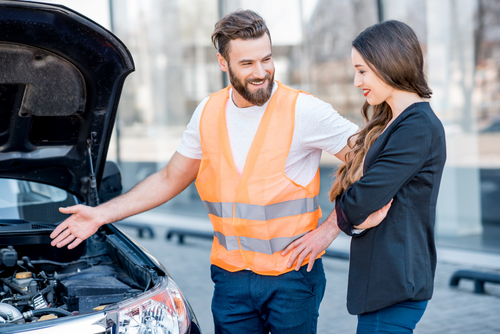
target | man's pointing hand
[{"x": 82, "y": 223}]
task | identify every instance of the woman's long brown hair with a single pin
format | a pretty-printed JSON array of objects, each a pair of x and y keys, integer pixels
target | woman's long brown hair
[{"x": 391, "y": 49}]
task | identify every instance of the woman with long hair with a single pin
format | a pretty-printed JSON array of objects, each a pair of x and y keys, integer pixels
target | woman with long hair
[
  {"x": 399, "y": 155},
  {"x": 395, "y": 163}
]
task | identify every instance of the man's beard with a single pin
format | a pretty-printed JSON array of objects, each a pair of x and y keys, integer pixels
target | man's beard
[{"x": 259, "y": 97}]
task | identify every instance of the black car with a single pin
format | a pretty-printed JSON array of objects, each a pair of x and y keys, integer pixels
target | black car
[{"x": 61, "y": 76}]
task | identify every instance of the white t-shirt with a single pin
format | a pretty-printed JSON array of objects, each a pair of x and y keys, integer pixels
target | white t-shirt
[{"x": 317, "y": 127}]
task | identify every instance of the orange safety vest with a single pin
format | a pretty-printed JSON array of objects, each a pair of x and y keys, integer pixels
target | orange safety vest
[{"x": 257, "y": 215}]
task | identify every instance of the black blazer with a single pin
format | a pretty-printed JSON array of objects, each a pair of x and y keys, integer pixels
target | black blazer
[{"x": 396, "y": 260}]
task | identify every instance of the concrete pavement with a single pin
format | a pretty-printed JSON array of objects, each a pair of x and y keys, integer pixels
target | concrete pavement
[{"x": 451, "y": 310}]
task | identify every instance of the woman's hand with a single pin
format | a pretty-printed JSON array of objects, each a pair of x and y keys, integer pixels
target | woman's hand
[{"x": 375, "y": 218}]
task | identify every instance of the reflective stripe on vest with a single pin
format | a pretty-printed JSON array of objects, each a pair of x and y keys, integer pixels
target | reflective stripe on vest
[
  {"x": 267, "y": 246},
  {"x": 263, "y": 212},
  {"x": 255, "y": 245},
  {"x": 260, "y": 212}
]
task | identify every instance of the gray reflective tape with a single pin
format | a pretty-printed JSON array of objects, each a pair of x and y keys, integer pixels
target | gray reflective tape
[
  {"x": 229, "y": 243},
  {"x": 255, "y": 245},
  {"x": 219, "y": 209},
  {"x": 263, "y": 213},
  {"x": 278, "y": 210},
  {"x": 267, "y": 246}
]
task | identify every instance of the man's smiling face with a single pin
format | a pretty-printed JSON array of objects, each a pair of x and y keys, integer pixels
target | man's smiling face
[{"x": 251, "y": 70}]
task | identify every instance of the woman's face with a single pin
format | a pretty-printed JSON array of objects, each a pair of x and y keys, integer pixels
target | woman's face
[{"x": 374, "y": 89}]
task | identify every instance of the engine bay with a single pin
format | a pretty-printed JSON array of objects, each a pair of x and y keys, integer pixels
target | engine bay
[{"x": 39, "y": 282}]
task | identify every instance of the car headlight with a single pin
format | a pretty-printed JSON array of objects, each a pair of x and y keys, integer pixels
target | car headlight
[{"x": 161, "y": 310}]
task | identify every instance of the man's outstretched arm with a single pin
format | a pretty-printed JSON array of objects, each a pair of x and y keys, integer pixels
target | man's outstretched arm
[{"x": 149, "y": 193}]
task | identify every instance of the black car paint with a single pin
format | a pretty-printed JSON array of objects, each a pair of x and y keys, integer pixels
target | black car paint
[{"x": 103, "y": 62}]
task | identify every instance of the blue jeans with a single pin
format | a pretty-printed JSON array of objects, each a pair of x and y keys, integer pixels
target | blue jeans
[
  {"x": 246, "y": 302},
  {"x": 395, "y": 319}
]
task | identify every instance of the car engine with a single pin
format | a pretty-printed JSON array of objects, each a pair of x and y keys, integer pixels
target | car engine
[{"x": 35, "y": 285}]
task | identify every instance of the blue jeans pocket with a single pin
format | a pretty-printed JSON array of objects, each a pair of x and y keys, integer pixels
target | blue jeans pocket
[{"x": 314, "y": 278}]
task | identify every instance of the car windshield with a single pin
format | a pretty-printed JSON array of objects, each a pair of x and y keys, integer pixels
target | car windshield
[{"x": 32, "y": 201}]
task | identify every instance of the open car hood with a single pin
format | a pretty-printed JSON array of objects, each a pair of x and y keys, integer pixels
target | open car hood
[{"x": 61, "y": 76}]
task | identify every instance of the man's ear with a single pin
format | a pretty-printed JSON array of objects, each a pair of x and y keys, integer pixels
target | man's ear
[{"x": 222, "y": 63}]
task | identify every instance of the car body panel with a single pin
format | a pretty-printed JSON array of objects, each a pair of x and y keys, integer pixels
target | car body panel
[{"x": 60, "y": 83}]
